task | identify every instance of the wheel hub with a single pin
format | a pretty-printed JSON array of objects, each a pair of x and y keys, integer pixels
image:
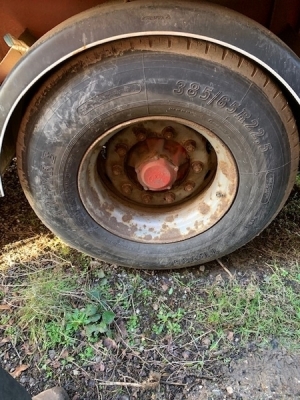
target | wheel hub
[{"x": 156, "y": 174}]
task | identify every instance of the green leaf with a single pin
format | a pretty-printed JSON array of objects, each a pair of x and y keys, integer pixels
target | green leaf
[
  {"x": 94, "y": 318},
  {"x": 92, "y": 329},
  {"x": 100, "y": 274},
  {"x": 91, "y": 309},
  {"x": 108, "y": 317},
  {"x": 102, "y": 327}
]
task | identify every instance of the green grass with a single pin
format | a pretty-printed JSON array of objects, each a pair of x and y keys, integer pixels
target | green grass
[
  {"x": 53, "y": 307},
  {"x": 43, "y": 298},
  {"x": 258, "y": 310}
]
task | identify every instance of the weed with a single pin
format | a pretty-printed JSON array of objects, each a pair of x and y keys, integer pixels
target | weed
[
  {"x": 87, "y": 354},
  {"x": 92, "y": 319},
  {"x": 42, "y": 300},
  {"x": 168, "y": 321},
  {"x": 57, "y": 335},
  {"x": 133, "y": 323}
]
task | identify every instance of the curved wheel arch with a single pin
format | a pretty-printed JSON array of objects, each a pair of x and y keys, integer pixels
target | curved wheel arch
[{"x": 173, "y": 17}]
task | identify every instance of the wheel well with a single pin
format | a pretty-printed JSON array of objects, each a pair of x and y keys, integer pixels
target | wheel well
[{"x": 10, "y": 138}]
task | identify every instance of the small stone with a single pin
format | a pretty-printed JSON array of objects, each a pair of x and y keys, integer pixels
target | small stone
[
  {"x": 32, "y": 382},
  {"x": 229, "y": 390},
  {"x": 202, "y": 268},
  {"x": 206, "y": 341},
  {"x": 23, "y": 379},
  {"x": 52, "y": 354}
]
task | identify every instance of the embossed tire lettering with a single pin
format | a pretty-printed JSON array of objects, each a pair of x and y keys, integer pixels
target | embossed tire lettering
[{"x": 158, "y": 152}]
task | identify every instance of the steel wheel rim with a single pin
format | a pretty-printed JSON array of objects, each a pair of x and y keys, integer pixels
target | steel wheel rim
[{"x": 169, "y": 220}]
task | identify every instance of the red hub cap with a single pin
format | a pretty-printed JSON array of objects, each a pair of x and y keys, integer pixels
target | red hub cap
[{"x": 157, "y": 174}]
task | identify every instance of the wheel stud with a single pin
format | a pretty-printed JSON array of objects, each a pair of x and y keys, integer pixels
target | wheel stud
[
  {"x": 146, "y": 198},
  {"x": 169, "y": 197},
  {"x": 126, "y": 188},
  {"x": 117, "y": 169},
  {"x": 189, "y": 186},
  {"x": 121, "y": 149},
  {"x": 190, "y": 146},
  {"x": 197, "y": 167},
  {"x": 140, "y": 135},
  {"x": 168, "y": 132}
]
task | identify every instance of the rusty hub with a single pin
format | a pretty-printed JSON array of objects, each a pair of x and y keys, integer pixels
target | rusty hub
[
  {"x": 157, "y": 180},
  {"x": 156, "y": 157},
  {"x": 156, "y": 161}
]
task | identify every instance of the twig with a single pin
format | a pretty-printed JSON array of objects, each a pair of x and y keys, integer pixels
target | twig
[
  {"x": 225, "y": 269},
  {"x": 143, "y": 385},
  {"x": 174, "y": 383}
]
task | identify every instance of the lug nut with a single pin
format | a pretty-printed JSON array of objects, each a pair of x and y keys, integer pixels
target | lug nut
[
  {"x": 117, "y": 169},
  {"x": 169, "y": 197},
  {"x": 146, "y": 198},
  {"x": 197, "y": 167},
  {"x": 140, "y": 135},
  {"x": 126, "y": 188},
  {"x": 168, "y": 132},
  {"x": 189, "y": 186},
  {"x": 121, "y": 149},
  {"x": 190, "y": 146}
]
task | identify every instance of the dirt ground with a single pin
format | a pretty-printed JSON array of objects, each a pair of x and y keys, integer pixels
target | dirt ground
[{"x": 254, "y": 371}]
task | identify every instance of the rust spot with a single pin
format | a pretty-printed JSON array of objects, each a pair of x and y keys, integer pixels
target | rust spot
[
  {"x": 127, "y": 218},
  {"x": 171, "y": 234},
  {"x": 148, "y": 237},
  {"x": 231, "y": 189},
  {"x": 198, "y": 225},
  {"x": 170, "y": 218},
  {"x": 227, "y": 171},
  {"x": 204, "y": 208}
]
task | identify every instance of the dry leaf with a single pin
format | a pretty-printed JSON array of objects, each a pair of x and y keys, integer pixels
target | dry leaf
[
  {"x": 3, "y": 341},
  {"x": 164, "y": 287},
  {"x": 20, "y": 368},
  {"x": 64, "y": 354},
  {"x": 100, "y": 367},
  {"x": 4, "y": 307},
  {"x": 122, "y": 328},
  {"x": 56, "y": 364},
  {"x": 186, "y": 355},
  {"x": 110, "y": 343},
  {"x": 218, "y": 278},
  {"x": 27, "y": 349}
]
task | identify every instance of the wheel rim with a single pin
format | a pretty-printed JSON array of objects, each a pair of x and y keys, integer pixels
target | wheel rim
[{"x": 157, "y": 180}]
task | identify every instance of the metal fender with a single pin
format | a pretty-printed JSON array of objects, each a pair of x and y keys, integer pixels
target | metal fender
[{"x": 117, "y": 20}]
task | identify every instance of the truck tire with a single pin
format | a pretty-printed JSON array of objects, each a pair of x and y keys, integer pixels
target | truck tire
[{"x": 158, "y": 152}]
